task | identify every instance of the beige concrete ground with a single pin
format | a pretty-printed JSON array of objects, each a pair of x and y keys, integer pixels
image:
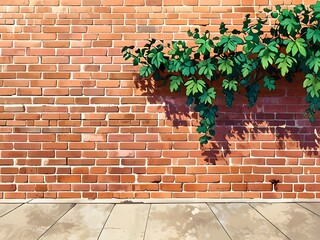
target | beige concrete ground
[{"x": 153, "y": 221}]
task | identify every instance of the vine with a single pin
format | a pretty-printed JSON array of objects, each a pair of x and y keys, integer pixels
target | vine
[{"x": 248, "y": 59}]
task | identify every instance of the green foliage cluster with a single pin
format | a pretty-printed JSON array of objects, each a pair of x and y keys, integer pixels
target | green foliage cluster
[{"x": 249, "y": 59}]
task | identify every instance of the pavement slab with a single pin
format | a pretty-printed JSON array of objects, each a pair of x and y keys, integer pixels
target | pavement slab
[
  {"x": 183, "y": 221},
  {"x": 30, "y": 221},
  {"x": 313, "y": 207},
  {"x": 5, "y": 208},
  {"x": 83, "y": 221},
  {"x": 241, "y": 221},
  {"x": 294, "y": 221},
  {"x": 126, "y": 221}
]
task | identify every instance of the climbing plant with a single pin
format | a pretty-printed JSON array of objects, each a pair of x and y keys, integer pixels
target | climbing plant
[{"x": 248, "y": 59}]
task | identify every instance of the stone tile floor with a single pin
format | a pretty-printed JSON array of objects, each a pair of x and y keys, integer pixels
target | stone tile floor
[{"x": 152, "y": 221}]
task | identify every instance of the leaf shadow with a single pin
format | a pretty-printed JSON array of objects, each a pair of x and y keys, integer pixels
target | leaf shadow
[
  {"x": 174, "y": 104},
  {"x": 237, "y": 129}
]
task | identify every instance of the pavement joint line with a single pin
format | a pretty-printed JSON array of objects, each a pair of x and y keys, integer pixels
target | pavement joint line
[
  {"x": 12, "y": 209},
  {"x": 308, "y": 209},
  {"x": 145, "y": 229},
  {"x": 219, "y": 221},
  {"x": 106, "y": 221},
  {"x": 72, "y": 206},
  {"x": 269, "y": 221}
]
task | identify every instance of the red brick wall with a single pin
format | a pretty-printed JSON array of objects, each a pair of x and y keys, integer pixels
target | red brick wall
[{"x": 76, "y": 122}]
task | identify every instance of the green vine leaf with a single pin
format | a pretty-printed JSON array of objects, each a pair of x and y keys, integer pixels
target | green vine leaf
[
  {"x": 194, "y": 86},
  {"x": 205, "y": 45},
  {"x": 285, "y": 62},
  {"x": 314, "y": 62},
  {"x": 294, "y": 47},
  {"x": 230, "y": 84},
  {"x": 207, "y": 96},
  {"x": 188, "y": 68},
  {"x": 225, "y": 65},
  {"x": 269, "y": 83},
  {"x": 314, "y": 35},
  {"x": 206, "y": 68},
  {"x": 268, "y": 54},
  {"x": 291, "y": 26},
  {"x": 175, "y": 83},
  {"x": 145, "y": 71},
  {"x": 312, "y": 84}
]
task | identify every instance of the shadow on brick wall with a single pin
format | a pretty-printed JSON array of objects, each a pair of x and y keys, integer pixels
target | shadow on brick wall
[{"x": 243, "y": 135}]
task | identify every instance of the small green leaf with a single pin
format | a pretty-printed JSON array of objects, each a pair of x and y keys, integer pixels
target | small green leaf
[
  {"x": 225, "y": 65},
  {"x": 145, "y": 71},
  {"x": 269, "y": 83},
  {"x": 175, "y": 83},
  {"x": 207, "y": 96},
  {"x": 312, "y": 84},
  {"x": 204, "y": 139}
]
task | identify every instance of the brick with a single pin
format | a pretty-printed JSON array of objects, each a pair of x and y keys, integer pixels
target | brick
[
  {"x": 174, "y": 187},
  {"x": 7, "y": 187},
  {"x": 185, "y": 179},
  {"x": 69, "y": 179},
  {"x": 40, "y": 52},
  {"x": 91, "y": 2}
]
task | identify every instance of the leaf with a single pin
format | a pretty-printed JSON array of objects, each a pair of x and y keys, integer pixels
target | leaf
[
  {"x": 174, "y": 65},
  {"x": 225, "y": 65},
  {"x": 145, "y": 71},
  {"x": 314, "y": 62},
  {"x": 267, "y": 57},
  {"x": 157, "y": 58},
  {"x": 230, "y": 84},
  {"x": 223, "y": 28},
  {"x": 229, "y": 97},
  {"x": 290, "y": 25},
  {"x": 248, "y": 67},
  {"x": 314, "y": 35},
  {"x": 312, "y": 84},
  {"x": 252, "y": 93},
  {"x": 296, "y": 46},
  {"x": 206, "y": 68},
  {"x": 205, "y": 45},
  {"x": 202, "y": 129},
  {"x": 136, "y": 61},
  {"x": 267, "y": 10},
  {"x": 285, "y": 62},
  {"x": 194, "y": 86},
  {"x": 269, "y": 83},
  {"x": 229, "y": 43},
  {"x": 189, "y": 101},
  {"x": 175, "y": 82},
  {"x": 188, "y": 68},
  {"x": 204, "y": 139},
  {"x": 207, "y": 96},
  {"x": 258, "y": 48}
]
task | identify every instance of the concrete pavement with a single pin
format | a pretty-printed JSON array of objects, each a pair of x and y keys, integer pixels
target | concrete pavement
[{"x": 155, "y": 221}]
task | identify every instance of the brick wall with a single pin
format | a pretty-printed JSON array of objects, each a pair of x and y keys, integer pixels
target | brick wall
[{"x": 77, "y": 122}]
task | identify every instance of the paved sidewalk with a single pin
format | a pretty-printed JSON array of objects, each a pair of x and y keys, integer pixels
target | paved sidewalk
[{"x": 151, "y": 221}]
